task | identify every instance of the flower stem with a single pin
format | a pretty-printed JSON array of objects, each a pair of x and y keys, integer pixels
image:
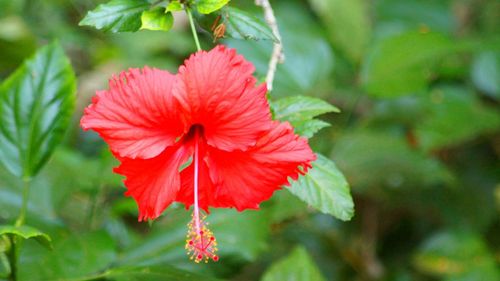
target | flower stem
[
  {"x": 22, "y": 214},
  {"x": 15, "y": 240},
  {"x": 193, "y": 28}
]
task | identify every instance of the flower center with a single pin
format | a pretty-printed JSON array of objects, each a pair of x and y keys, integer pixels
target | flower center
[{"x": 200, "y": 241}]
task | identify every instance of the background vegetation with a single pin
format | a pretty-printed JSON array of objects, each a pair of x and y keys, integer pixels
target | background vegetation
[{"x": 418, "y": 86}]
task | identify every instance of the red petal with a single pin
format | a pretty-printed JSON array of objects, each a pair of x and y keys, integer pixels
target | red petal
[
  {"x": 154, "y": 183},
  {"x": 245, "y": 179},
  {"x": 137, "y": 117},
  {"x": 217, "y": 90}
]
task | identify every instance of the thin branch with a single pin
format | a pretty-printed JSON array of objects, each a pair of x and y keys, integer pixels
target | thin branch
[{"x": 277, "y": 56}]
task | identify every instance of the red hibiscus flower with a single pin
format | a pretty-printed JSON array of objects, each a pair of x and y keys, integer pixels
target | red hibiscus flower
[{"x": 203, "y": 137}]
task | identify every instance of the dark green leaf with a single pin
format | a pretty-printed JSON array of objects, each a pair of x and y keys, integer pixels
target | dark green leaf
[
  {"x": 36, "y": 103},
  {"x": 374, "y": 161},
  {"x": 210, "y": 6},
  {"x": 458, "y": 256},
  {"x": 486, "y": 73},
  {"x": 285, "y": 205},
  {"x": 153, "y": 273},
  {"x": 300, "y": 111},
  {"x": 244, "y": 25},
  {"x": 242, "y": 235},
  {"x": 404, "y": 63},
  {"x": 157, "y": 19},
  {"x": 117, "y": 15},
  {"x": 347, "y": 23},
  {"x": 75, "y": 256},
  {"x": 454, "y": 116},
  {"x": 325, "y": 188},
  {"x": 307, "y": 67},
  {"x": 298, "y": 265},
  {"x": 395, "y": 15},
  {"x": 27, "y": 232}
]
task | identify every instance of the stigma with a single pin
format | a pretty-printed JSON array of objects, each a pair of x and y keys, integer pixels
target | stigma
[{"x": 201, "y": 244}]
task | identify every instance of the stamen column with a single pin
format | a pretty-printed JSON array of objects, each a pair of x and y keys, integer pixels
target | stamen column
[{"x": 200, "y": 242}]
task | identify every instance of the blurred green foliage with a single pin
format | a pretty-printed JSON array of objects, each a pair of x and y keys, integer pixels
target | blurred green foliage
[{"x": 418, "y": 140}]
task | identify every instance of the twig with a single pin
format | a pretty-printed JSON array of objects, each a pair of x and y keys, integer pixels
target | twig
[{"x": 277, "y": 56}]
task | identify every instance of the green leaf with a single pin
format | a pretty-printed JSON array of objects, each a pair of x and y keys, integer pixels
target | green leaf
[
  {"x": 325, "y": 188},
  {"x": 157, "y": 19},
  {"x": 414, "y": 14},
  {"x": 376, "y": 162},
  {"x": 5, "y": 269},
  {"x": 348, "y": 24},
  {"x": 298, "y": 265},
  {"x": 5, "y": 244},
  {"x": 27, "y": 232},
  {"x": 244, "y": 25},
  {"x": 307, "y": 68},
  {"x": 309, "y": 128},
  {"x": 284, "y": 205},
  {"x": 486, "y": 73},
  {"x": 117, "y": 15},
  {"x": 210, "y": 6},
  {"x": 457, "y": 255},
  {"x": 239, "y": 234},
  {"x": 36, "y": 103},
  {"x": 301, "y": 108},
  {"x": 174, "y": 6},
  {"x": 454, "y": 116},
  {"x": 300, "y": 111},
  {"x": 404, "y": 63},
  {"x": 153, "y": 273},
  {"x": 75, "y": 257}
]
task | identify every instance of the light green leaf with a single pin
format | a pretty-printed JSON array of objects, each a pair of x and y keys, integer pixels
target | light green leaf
[
  {"x": 36, "y": 103},
  {"x": 325, "y": 188},
  {"x": 298, "y": 265},
  {"x": 404, "y": 63},
  {"x": 309, "y": 128},
  {"x": 486, "y": 73},
  {"x": 5, "y": 269},
  {"x": 5, "y": 244},
  {"x": 174, "y": 6},
  {"x": 117, "y": 15},
  {"x": 27, "y": 232},
  {"x": 348, "y": 24},
  {"x": 458, "y": 256},
  {"x": 157, "y": 19},
  {"x": 454, "y": 116},
  {"x": 153, "y": 273},
  {"x": 210, "y": 6},
  {"x": 244, "y": 25},
  {"x": 301, "y": 108},
  {"x": 300, "y": 111}
]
